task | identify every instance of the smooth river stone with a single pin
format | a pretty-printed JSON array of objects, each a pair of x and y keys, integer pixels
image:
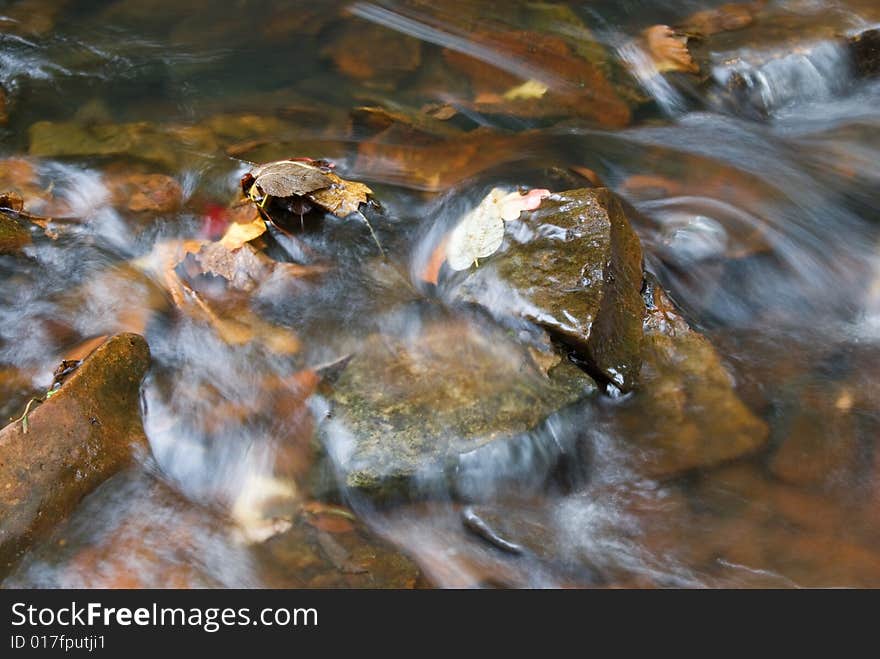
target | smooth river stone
[
  {"x": 453, "y": 404},
  {"x": 574, "y": 267}
]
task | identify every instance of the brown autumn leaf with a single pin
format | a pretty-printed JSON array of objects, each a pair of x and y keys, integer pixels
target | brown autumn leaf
[
  {"x": 243, "y": 267},
  {"x": 11, "y": 201},
  {"x": 669, "y": 50},
  {"x": 285, "y": 178},
  {"x": 343, "y": 197},
  {"x": 238, "y": 324},
  {"x": 304, "y": 184},
  {"x": 231, "y": 316}
]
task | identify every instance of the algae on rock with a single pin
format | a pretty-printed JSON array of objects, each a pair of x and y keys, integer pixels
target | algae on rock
[
  {"x": 406, "y": 409},
  {"x": 574, "y": 267}
]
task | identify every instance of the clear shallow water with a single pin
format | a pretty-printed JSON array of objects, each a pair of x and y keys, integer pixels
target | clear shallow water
[{"x": 756, "y": 214}]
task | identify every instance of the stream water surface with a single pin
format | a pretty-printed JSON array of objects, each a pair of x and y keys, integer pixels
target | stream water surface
[{"x": 751, "y": 185}]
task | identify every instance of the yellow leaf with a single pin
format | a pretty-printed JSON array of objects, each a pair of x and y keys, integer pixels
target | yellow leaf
[
  {"x": 239, "y": 234},
  {"x": 529, "y": 89}
]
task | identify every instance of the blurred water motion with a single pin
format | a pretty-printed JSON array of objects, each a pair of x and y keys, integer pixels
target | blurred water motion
[{"x": 752, "y": 188}]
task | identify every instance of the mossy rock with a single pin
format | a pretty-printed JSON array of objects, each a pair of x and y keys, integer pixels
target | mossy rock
[
  {"x": 13, "y": 235},
  {"x": 574, "y": 267},
  {"x": 410, "y": 413}
]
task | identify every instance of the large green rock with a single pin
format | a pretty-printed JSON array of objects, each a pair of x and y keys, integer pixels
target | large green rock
[
  {"x": 574, "y": 267},
  {"x": 410, "y": 411}
]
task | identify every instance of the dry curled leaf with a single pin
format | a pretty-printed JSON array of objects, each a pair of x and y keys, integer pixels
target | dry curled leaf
[
  {"x": 307, "y": 184},
  {"x": 285, "y": 178},
  {"x": 669, "y": 50},
  {"x": 244, "y": 268},
  {"x": 342, "y": 197}
]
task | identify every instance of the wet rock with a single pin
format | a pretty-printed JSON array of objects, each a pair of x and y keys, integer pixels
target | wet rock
[
  {"x": 782, "y": 58},
  {"x": 32, "y": 18},
  {"x": 865, "y": 50},
  {"x": 4, "y": 107},
  {"x": 562, "y": 80},
  {"x": 827, "y": 424},
  {"x": 726, "y": 18},
  {"x": 135, "y": 531},
  {"x": 79, "y": 437},
  {"x": 685, "y": 413},
  {"x": 365, "y": 51},
  {"x": 160, "y": 145},
  {"x": 451, "y": 404},
  {"x": 339, "y": 556},
  {"x": 515, "y": 534},
  {"x": 13, "y": 235},
  {"x": 574, "y": 267},
  {"x": 752, "y": 531},
  {"x": 156, "y": 193}
]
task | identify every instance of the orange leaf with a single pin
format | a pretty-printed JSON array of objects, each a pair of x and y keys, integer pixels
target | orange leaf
[{"x": 431, "y": 271}]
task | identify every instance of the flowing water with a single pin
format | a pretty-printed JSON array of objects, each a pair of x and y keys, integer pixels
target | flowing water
[{"x": 754, "y": 201}]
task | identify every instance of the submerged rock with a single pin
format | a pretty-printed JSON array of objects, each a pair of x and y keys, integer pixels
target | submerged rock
[
  {"x": 574, "y": 267},
  {"x": 13, "y": 235},
  {"x": 87, "y": 431},
  {"x": 828, "y": 423},
  {"x": 451, "y": 404},
  {"x": 686, "y": 413},
  {"x": 865, "y": 50}
]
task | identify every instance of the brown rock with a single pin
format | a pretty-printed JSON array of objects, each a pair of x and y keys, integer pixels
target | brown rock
[
  {"x": 579, "y": 275},
  {"x": 13, "y": 233},
  {"x": 4, "y": 111},
  {"x": 79, "y": 437},
  {"x": 576, "y": 84},
  {"x": 727, "y": 17},
  {"x": 365, "y": 50},
  {"x": 156, "y": 193},
  {"x": 34, "y": 18},
  {"x": 865, "y": 49},
  {"x": 828, "y": 424},
  {"x": 686, "y": 413}
]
